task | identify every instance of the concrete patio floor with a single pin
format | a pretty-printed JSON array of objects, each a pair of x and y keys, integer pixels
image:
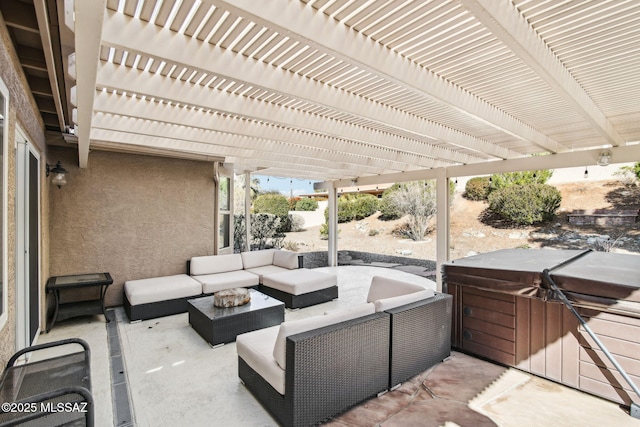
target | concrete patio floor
[{"x": 173, "y": 377}]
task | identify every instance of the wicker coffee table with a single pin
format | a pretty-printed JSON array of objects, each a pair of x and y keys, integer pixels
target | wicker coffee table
[{"x": 219, "y": 325}]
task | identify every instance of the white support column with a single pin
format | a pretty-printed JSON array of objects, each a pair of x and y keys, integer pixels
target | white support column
[
  {"x": 442, "y": 239},
  {"x": 247, "y": 210},
  {"x": 332, "y": 255}
]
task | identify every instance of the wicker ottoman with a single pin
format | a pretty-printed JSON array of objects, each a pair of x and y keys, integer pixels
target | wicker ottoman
[{"x": 301, "y": 287}]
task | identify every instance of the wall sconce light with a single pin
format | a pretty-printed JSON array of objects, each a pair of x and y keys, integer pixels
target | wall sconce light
[
  {"x": 586, "y": 172},
  {"x": 59, "y": 174},
  {"x": 604, "y": 158}
]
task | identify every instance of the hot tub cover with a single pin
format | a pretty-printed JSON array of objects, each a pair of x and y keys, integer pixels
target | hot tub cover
[{"x": 599, "y": 280}]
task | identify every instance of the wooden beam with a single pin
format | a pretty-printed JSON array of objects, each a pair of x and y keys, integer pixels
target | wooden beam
[
  {"x": 47, "y": 46},
  {"x": 20, "y": 15}
]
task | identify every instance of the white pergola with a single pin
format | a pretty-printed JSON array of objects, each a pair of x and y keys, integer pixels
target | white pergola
[{"x": 375, "y": 91}]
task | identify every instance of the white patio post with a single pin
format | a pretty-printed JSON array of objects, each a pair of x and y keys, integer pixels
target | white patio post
[
  {"x": 442, "y": 219},
  {"x": 332, "y": 255},
  {"x": 247, "y": 210}
]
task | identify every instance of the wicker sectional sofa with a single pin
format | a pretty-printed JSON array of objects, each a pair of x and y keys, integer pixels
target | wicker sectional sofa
[
  {"x": 309, "y": 370},
  {"x": 163, "y": 296}
]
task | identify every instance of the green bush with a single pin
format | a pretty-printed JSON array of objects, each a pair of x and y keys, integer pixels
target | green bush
[
  {"x": 477, "y": 188},
  {"x": 274, "y": 204},
  {"x": 387, "y": 207},
  {"x": 356, "y": 206},
  {"x": 324, "y": 231},
  {"x": 502, "y": 180},
  {"x": 306, "y": 204},
  {"x": 364, "y": 205},
  {"x": 345, "y": 209},
  {"x": 526, "y": 204},
  {"x": 292, "y": 202}
]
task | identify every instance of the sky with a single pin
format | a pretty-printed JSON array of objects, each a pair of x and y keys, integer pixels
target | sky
[
  {"x": 295, "y": 186},
  {"x": 286, "y": 186}
]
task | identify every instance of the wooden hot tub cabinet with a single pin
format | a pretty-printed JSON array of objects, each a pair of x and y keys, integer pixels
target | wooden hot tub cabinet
[{"x": 503, "y": 311}]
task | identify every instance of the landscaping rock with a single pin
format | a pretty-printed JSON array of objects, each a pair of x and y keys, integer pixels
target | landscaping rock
[
  {"x": 231, "y": 297},
  {"x": 404, "y": 251}
]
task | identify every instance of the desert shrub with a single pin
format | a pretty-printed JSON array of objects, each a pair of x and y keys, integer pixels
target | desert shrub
[
  {"x": 264, "y": 230},
  {"x": 608, "y": 245},
  {"x": 525, "y": 204},
  {"x": 388, "y": 209},
  {"x": 238, "y": 233},
  {"x": 292, "y": 202},
  {"x": 324, "y": 231},
  {"x": 502, "y": 180},
  {"x": 274, "y": 204},
  {"x": 477, "y": 188},
  {"x": 629, "y": 175},
  {"x": 290, "y": 246},
  {"x": 417, "y": 200},
  {"x": 306, "y": 204},
  {"x": 297, "y": 223}
]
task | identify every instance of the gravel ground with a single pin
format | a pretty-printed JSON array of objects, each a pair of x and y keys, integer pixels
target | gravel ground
[{"x": 473, "y": 230}]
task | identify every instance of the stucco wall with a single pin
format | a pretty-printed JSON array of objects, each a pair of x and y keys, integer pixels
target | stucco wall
[
  {"x": 134, "y": 216},
  {"x": 22, "y": 111}
]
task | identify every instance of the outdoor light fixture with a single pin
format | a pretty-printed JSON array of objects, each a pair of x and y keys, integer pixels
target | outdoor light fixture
[
  {"x": 586, "y": 172},
  {"x": 59, "y": 174},
  {"x": 604, "y": 158}
]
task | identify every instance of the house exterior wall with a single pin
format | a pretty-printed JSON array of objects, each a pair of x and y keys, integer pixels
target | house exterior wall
[
  {"x": 131, "y": 215},
  {"x": 22, "y": 112}
]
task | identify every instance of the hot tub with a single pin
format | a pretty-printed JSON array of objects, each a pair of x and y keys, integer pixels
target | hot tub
[{"x": 504, "y": 311}]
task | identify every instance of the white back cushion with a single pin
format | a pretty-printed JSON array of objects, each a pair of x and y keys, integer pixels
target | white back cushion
[
  {"x": 303, "y": 325},
  {"x": 285, "y": 259},
  {"x": 384, "y": 287},
  {"x": 215, "y": 264},
  {"x": 255, "y": 259},
  {"x": 388, "y": 293}
]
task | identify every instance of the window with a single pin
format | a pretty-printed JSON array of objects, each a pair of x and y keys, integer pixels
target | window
[
  {"x": 225, "y": 212},
  {"x": 4, "y": 114}
]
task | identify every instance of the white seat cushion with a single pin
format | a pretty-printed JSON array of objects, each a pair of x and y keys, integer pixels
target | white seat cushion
[
  {"x": 233, "y": 279},
  {"x": 266, "y": 270},
  {"x": 388, "y": 293},
  {"x": 393, "y": 302},
  {"x": 143, "y": 291},
  {"x": 255, "y": 259},
  {"x": 215, "y": 264},
  {"x": 303, "y": 325},
  {"x": 256, "y": 348},
  {"x": 300, "y": 281}
]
